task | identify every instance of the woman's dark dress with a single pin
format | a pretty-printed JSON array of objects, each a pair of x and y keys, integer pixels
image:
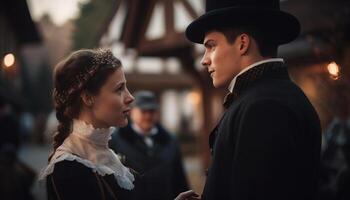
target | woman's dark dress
[{"x": 73, "y": 180}]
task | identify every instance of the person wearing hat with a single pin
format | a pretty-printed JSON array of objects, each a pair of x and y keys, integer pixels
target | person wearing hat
[
  {"x": 146, "y": 147},
  {"x": 267, "y": 144}
]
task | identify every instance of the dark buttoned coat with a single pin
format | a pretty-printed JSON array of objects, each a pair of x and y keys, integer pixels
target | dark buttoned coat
[
  {"x": 267, "y": 144},
  {"x": 161, "y": 174}
]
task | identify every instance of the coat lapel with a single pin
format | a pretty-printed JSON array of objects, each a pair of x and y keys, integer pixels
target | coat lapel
[{"x": 243, "y": 83}]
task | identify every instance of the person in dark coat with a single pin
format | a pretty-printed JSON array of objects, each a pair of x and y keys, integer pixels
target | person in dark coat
[
  {"x": 335, "y": 157},
  {"x": 267, "y": 143},
  {"x": 16, "y": 177},
  {"x": 146, "y": 147}
]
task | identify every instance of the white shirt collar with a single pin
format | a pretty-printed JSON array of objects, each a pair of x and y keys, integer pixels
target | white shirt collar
[
  {"x": 233, "y": 82},
  {"x": 146, "y": 137}
]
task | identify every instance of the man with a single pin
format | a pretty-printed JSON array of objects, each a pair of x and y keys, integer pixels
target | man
[
  {"x": 267, "y": 144},
  {"x": 146, "y": 147}
]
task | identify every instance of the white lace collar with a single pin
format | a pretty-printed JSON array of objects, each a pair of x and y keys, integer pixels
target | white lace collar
[
  {"x": 98, "y": 136},
  {"x": 89, "y": 146}
]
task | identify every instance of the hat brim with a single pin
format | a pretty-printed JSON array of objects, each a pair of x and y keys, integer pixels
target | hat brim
[
  {"x": 148, "y": 106},
  {"x": 281, "y": 26}
]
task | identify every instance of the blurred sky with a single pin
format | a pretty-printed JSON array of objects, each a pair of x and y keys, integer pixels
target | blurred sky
[{"x": 59, "y": 10}]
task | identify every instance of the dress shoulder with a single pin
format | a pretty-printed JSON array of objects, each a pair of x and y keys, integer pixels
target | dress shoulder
[
  {"x": 72, "y": 180},
  {"x": 71, "y": 169}
]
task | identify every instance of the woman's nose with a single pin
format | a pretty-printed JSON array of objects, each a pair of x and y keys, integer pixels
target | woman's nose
[{"x": 129, "y": 98}]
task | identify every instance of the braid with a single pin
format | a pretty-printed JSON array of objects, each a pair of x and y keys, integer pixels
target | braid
[
  {"x": 65, "y": 112},
  {"x": 63, "y": 128}
]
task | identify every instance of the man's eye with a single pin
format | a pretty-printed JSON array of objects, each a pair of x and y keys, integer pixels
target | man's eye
[{"x": 210, "y": 45}]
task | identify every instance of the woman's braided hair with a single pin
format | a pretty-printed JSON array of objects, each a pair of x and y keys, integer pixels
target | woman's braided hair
[{"x": 83, "y": 70}]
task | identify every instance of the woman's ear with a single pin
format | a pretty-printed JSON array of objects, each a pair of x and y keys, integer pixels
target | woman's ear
[{"x": 87, "y": 99}]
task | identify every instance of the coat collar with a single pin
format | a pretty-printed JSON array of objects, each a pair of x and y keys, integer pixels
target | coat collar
[
  {"x": 256, "y": 64},
  {"x": 267, "y": 70}
]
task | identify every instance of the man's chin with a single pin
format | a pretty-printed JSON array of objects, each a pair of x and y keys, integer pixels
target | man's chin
[
  {"x": 147, "y": 128},
  {"x": 217, "y": 84}
]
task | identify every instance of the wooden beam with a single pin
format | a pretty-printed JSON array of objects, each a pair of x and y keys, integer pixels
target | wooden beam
[
  {"x": 169, "y": 17},
  {"x": 107, "y": 22},
  {"x": 158, "y": 82},
  {"x": 203, "y": 80},
  {"x": 170, "y": 43},
  {"x": 130, "y": 20},
  {"x": 138, "y": 16},
  {"x": 146, "y": 20},
  {"x": 190, "y": 9}
]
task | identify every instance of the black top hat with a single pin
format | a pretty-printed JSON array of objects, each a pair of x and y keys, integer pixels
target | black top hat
[
  {"x": 145, "y": 100},
  {"x": 263, "y": 14}
]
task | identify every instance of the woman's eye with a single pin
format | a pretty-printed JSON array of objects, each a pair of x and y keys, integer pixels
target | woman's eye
[{"x": 119, "y": 89}]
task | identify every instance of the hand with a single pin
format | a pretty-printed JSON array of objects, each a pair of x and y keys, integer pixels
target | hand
[{"x": 188, "y": 195}]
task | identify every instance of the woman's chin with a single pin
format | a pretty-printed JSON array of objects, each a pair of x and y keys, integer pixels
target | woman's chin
[{"x": 122, "y": 123}]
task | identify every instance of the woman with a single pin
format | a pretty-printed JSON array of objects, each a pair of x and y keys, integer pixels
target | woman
[{"x": 90, "y": 97}]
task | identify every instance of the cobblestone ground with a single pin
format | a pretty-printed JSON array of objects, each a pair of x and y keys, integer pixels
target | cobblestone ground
[{"x": 36, "y": 157}]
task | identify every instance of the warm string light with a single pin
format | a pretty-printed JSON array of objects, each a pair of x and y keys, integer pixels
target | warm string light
[
  {"x": 333, "y": 70},
  {"x": 9, "y": 60}
]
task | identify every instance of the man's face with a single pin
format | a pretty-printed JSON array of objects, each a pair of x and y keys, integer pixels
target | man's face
[
  {"x": 145, "y": 119},
  {"x": 221, "y": 58}
]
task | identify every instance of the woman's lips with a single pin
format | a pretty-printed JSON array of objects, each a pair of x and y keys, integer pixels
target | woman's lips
[{"x": 127, "y": 112}]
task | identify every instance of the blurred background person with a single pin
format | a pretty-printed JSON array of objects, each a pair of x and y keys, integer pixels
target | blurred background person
[
  {"x": 335, "y": 178},
  {"x": 145, "y": 146},
  {"x": 16, "y": 178},
  {"x": 343, "y": 181}
]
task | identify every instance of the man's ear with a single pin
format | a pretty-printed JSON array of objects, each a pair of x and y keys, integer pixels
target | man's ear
[
  {"x": 87, "y": 98},
  {"x": 244, "y": 41}
]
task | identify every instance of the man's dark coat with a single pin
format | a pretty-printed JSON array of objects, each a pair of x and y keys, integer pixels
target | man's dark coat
[
  {"x": 267, "y": 144},
  {"x": 161, "y": 174}
]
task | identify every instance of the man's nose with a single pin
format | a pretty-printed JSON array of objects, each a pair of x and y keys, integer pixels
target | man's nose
[{"x": 205, "y": 61}]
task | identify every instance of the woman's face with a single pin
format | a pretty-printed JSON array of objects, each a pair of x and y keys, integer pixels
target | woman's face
[{"x": 111, "y": 105}]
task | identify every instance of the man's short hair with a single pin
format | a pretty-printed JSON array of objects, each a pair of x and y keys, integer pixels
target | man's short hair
[{"x": 266, "y": 46}]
